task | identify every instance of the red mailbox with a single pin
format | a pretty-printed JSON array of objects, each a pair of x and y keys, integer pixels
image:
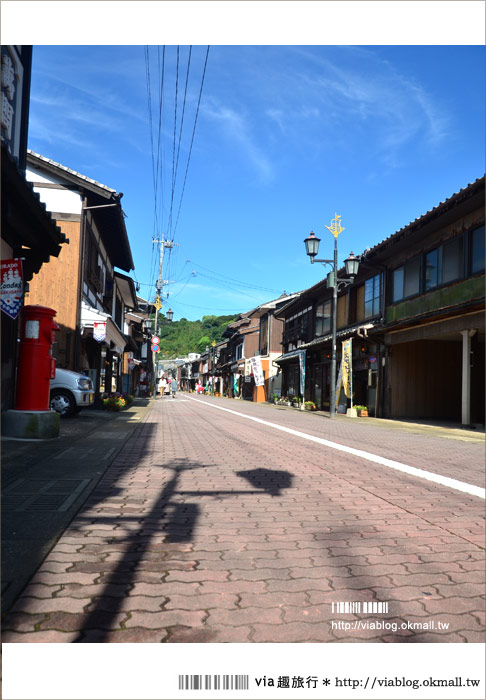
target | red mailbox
[{"x": 36, "y": 364}]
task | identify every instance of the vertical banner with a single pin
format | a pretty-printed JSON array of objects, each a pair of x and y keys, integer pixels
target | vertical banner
[
  {"x": 99, "y": 331},
  {"x": 346, "y": 366},
  {"x": 12, "y": 287},
  {"x": 302, "y": 371},
  {"x": 338, "y": 385},
  {"x": 256, "y": 367}
]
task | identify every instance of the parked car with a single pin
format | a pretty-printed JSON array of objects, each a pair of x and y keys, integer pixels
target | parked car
[{"x": 70, "y": 392}]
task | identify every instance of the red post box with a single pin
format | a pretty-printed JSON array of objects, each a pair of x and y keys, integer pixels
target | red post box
[{"x": 36, "y": 364}]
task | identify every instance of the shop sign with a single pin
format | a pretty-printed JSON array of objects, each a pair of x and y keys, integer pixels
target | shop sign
[
  {"x": 11, "y": 100},
  {"x": 302, "y": 371},
  {"x": 346, "y": 364},
  {"x": 247, "y": 378},
  {"x": 99, "y": 331},
  {"x": 256, "y": 365},
  {"x": 12, "y": 287}
]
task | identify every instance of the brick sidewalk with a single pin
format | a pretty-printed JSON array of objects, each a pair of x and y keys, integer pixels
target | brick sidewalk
[{"x": 211, "y": 528}]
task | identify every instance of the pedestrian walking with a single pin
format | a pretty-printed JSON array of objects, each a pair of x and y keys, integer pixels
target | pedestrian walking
[
  {"x": 173, "y": 385},
  {"x": 163, "y": 386}
]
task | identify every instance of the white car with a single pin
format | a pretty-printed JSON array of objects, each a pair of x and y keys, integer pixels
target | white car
[{"x": 70, "y": 392}]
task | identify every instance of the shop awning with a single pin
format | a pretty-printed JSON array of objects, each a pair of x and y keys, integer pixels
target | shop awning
[
  {"x": 357, "y": 329},
  {"x": 115, "y": 340},
  {"x": 131, "y": 345},
  {"x": 292, "y": 355}
]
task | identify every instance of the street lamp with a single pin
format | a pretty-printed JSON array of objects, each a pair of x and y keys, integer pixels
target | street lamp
[
  {"x": 169, "y": 315},
  {"x": 352, "y": 265}
]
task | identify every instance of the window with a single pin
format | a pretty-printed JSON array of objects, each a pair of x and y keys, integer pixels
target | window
[
  {"x": 372, "y": 297},
  {"x": 118, "y": 312},
  {"x": 264, "y": 335},
  {"x": 323, "y": 318},
  {"x": 411, "y": 283},
  {"x": 444, "y": 264},
  {"x": 476, "y": 257},
  {"x": 452, "y": 260},
  {"x": 406, "y": 280},
  {"x": 432, "y": 269},
  {"x": 239, "y": 352},
  {"x": 398, "y": 277}
]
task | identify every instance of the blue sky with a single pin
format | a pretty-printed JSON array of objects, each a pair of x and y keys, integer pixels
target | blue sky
[{"x": 286, "y": 136}]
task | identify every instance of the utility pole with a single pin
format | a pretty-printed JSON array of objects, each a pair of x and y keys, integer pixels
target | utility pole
[{"x": 158, "y": 297}]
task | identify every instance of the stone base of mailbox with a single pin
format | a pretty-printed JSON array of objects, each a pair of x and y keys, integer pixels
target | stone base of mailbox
[{"x": 30, "y": 425}]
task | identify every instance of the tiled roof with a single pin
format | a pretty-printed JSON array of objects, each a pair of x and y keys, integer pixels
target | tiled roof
[
  {"x": 59, "y": 166},
  {"x": 471, "y": 189}
]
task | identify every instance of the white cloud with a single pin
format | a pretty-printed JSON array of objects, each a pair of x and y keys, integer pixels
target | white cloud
[{"x": 237, "y": 128}]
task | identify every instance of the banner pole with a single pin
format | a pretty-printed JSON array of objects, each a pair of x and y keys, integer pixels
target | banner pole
[{"x": 351, "y": 370}]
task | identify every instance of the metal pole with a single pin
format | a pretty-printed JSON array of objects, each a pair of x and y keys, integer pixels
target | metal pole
[
  {"x": 157, "y": 307},
  {"x": 332, "y": 407}
]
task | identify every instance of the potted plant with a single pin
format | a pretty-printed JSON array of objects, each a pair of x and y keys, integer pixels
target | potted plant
[
  {"x": 362, "y": 411},
  {"x": 114, "y": 402},
  {"x": 296, "y": 401},
  {"x": 309, "y": 406}
]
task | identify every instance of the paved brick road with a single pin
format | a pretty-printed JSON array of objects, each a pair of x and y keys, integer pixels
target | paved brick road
[{"x": 212, "y": 528}]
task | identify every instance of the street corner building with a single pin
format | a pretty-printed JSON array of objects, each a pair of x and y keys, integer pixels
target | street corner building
[
  {"x": 96, "y": 304},
  {"x": 31, "y": 239}
]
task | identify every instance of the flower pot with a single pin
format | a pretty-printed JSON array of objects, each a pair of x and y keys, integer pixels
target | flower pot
[{"x": 363, "y": 413}]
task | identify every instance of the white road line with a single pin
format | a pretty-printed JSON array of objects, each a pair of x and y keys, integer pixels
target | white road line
[{"x": 390, "y": 463}]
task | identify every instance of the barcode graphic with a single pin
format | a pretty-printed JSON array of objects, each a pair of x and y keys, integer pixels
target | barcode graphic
[
  {"x": 208, "y": 682},
  {"x": 360, "y": 607}
]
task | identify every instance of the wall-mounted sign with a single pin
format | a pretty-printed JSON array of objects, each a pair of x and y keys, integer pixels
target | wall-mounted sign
[
  {"x": 256, "y": 365},
  {"x": 12, "y": 287},
  {"x": 12, "y": 77}
]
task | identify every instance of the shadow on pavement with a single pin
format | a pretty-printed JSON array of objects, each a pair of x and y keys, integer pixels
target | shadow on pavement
[
  {"x": 271, "y": 481},
  {"x": 172, "y": 520}
]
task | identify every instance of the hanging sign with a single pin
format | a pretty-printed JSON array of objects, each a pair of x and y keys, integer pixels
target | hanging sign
[
  {"x": 256, "y": 366},
  {"x": 338, "y": 385},
  {"x": 99, "y": 331},
  {"x": 302, "y": 371},
  {"x": 346, "y": 366},
  {"x": 12, "y": 287}
]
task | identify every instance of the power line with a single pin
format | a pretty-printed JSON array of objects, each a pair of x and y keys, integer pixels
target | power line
[
  {"x": 236, "y": 282},
  {"x": 192, "y": 139}
]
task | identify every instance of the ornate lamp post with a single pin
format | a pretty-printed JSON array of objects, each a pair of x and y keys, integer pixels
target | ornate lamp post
[{"x": 352, "y": 264}]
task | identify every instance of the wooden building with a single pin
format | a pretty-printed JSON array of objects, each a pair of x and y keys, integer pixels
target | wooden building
[
  {"x": 29, "y": 233},
  {"x": 254, "y": 337},
  {"x": 415, "y": 314},
  {"x": 82, "y": 285}
]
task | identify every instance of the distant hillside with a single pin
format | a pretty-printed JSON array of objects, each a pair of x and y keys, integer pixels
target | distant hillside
[{"x": 179, "y": 338}]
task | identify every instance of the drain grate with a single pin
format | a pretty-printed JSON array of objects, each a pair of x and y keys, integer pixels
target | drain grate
[{"x": 42, "y": 494}]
